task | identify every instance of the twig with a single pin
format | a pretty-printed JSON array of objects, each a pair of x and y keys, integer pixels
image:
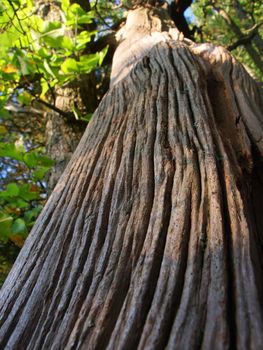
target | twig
[
  {"x": 245, "y": 39},
  {"x": 99, "y": 15},
  {"x": 67, "y": 115},
  {"x": 15, "y": 13}
]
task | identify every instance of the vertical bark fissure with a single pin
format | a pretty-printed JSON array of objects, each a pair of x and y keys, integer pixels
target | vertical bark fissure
[
  {"x": 101, "y": 266},
  {"x": 168, "y": 190},
  {"x": 151, "y": 188},
  {"x": 95, "y": 255},
  {"x": 104, "y": 342},
  {"x": 236, "y": 173},
  {"x": 72, "y": 341},
  {"x": 163, "y": 102},
  {"x": 231, "y": 305},
  {"x": 131, "y": 178},
  {"x": 226, "y": 230},
  {"x": 230, "y": 171},
  {"x": 114, "y": 292},
  {"x": 199, "y": 204}
]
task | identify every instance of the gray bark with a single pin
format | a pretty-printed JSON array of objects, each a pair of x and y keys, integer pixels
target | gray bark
[{"x": 152, "y": 238}]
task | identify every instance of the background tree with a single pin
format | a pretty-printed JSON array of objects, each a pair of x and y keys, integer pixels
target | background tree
[{"x": 153, "y": 236}]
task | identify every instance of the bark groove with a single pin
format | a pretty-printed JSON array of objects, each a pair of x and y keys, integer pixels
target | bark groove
[{"x": 149, "y": 241}]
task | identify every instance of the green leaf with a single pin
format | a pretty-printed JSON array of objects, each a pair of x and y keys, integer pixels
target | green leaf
[
  {"x": 76, "y": 15},
  {"x": 5, "y": 226},
  {"x": 12, "y": 190},
  {"x": 65, "y": 5},
  {"x": 4, "y": 114},
  {"x": 3, "y": 100},
  {"x": 20, "y": 203},
  {"x": 83, "y": 38},
  {"x": 40, "y": 173},
  {"x": 3, "y": 129},
  {"x": 26, "y": 65},
  {"x": 10, "y": 150},
  {"x": 70, "y": 66},
  {"x": 102, "y": 54},
  {"x": 87, "y": 117},
  {"x": 31, "y": 159},
  {"x": 19, "y": 227},
  {"x": 48, "y": 69},
  {"x": 53, "y": 29},
  {"x": 28, "y": 192},
  {"x": 85, "y": 19},
  {"x": 45, "y": 88},
  {"x": 43, "y": 53},
  {"x": 45, "y": 161},
  {"x": 32, "y": 214},
  {"x": 66, "y": 43},
  {"x": 59, "y": 42},
  {"x": 25, "y": 98},
  {"x": 89, "y": 62}
]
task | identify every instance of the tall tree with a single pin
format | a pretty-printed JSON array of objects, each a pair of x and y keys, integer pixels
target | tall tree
[{"x": 152, "y": 238}]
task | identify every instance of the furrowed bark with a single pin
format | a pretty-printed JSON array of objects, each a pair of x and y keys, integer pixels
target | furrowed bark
[{"x": 149, "y": 240}]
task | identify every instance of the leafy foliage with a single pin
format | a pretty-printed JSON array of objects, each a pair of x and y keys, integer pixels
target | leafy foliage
[
  {"x": 23, "y": 169},
  {"x": 225, "y": 22},
  {"x": 36, "y": 56}
]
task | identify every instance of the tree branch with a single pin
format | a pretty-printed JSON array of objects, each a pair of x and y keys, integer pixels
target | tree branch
[
  {"x": 15, "y": 14},
  {"x": 67, "y": 115},
  {"x": 245, "y": 39},
  {"x": 177, "y": 9},
  {"x": 240, "y": 36}
]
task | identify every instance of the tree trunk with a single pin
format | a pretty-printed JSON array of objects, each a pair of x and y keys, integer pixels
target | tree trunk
[
  {"x": 63, "y": 134},
  {"x": 152, "y": 238}
]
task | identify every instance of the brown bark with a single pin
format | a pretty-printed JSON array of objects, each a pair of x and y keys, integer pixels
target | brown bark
[{"x": 152, "y": 238}]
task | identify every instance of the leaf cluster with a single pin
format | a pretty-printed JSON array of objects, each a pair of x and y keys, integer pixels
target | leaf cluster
[
  {"x": 22, "y": 197},
  {"x": 38, "y": 55}
]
